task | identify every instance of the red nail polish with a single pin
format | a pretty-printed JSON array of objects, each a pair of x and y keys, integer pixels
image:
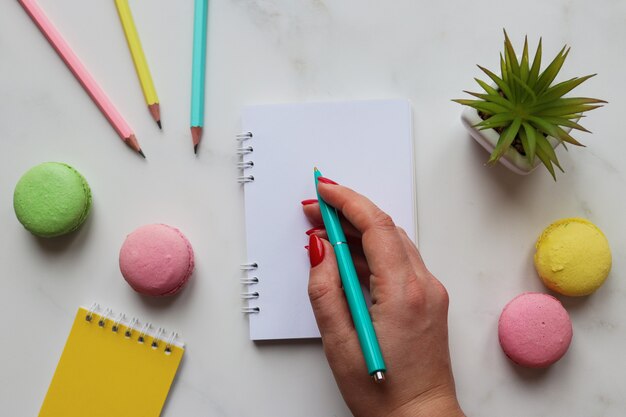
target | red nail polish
[
  {"x": 313, "y": 230},
  {"x": 316, "y": 250},
  {"x": 327, "y": 181},
  {"x": 307, "y": 202}
]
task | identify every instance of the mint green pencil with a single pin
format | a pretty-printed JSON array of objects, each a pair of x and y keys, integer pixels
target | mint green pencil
[
  {"x": 352, "y": 288},
  {"x": 198, "y": 70}
]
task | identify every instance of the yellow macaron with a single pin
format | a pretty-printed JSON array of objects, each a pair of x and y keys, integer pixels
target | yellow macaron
[{"x": 573, "y": 257}]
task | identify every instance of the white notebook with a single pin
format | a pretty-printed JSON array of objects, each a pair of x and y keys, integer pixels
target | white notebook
[{"x": 366, "y": 145}]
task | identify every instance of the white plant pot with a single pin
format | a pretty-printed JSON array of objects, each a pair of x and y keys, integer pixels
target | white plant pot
[{"x": 488, "y": 138}]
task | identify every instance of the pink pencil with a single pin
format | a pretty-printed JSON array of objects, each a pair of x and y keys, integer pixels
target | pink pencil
[{"x": 84, "y": 77}]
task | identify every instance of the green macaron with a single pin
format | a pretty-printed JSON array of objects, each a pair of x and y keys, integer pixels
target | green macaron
[{"x": 52, "y": 199}]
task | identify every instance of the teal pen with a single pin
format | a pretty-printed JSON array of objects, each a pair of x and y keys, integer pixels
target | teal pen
[
  {"x": 198, "y": 70},
  {"x": 352, "y": 288}
]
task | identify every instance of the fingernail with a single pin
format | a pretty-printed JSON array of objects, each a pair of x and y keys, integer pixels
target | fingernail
[
  {"x": 313, "y": 230},
  {"x": 316, "y": 250},
  {"x": 327, "y": 181},
  {"x": 307, "y": 202}
]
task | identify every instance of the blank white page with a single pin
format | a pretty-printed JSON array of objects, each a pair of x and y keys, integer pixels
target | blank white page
[{"x": 366, "y": 145}]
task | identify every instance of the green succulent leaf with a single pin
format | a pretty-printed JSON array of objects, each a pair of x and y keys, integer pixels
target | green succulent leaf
[
  {"x": 511, "y": 55},
  {"x": 509, "y": 76},
  {"x": 543, "y": 126},
  {"x": 497, "y": 120},
  {"x": 526, "y": 89},
  {"x": 524, "y": 65},
  {"x": 493, "y": 98},
  {"x": 565, "y": 137},
  {"x": 574, "y": 116},
  {"x": 563, "y": 110},
  {"x": 546, "y": 161},
  {"x": 560, "y": 89},
  {"x": 505, "y": 141},
  {"x": 499, "y": 82},
  {"x": 563, "y": 103},
  {"x": 484, "y": 106},
  {"x": 512, "y": 65},
  {"x": 530, "y": 133},
  {"x": 562, "y": 121},
  {"x": 533, "y": 76},
  {"x": 503, "y": 71},
  {"x": 488, "y": 89},
  {"x": 550, "y": 73},
  {"x": 525, "y": 104},
  {"x": 544, "y": 147}
]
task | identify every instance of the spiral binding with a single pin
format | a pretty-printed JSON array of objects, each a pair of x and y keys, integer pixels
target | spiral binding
[
  {"x": 240, "y": 137},
  {"x": 116, "y": 325},
  {"x": 250, "y": 295},
  {"x": 91, "y": 311},
  {"x": 155, "y": 343},
  {"x": 244, "y": 150},
  {"x": 144, "y": 331},
  {"x": 248, "y": 281},
  {"x": 133, "y": 324},
  {"x": 245, "y": 164},
  {"x": 106, "y": 317},
  {"x": 245, "y": 179},
  {"x": 170, "y": 342}
]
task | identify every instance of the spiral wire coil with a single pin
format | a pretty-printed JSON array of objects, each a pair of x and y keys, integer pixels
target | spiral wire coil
[
  {"x": 105, "y": 318},
  {"x": 247, "y": 268}
]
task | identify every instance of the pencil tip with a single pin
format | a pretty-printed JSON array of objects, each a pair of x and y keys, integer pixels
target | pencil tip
[
  {"x": 159, "y": 124},
  {"x": 195, "y": 149},
  {"x": 196, "y": 135},
  {"x": 141, "y": 153},
  {"x": 155, "y": 111}
]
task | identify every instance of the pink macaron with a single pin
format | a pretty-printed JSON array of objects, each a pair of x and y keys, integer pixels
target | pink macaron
[
  {"x": 156, "y": 260},
  {"x": 535, "y": 330}
]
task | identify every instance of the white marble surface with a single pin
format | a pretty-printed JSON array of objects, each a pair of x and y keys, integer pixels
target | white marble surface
[{"x": 477, "y": 224}]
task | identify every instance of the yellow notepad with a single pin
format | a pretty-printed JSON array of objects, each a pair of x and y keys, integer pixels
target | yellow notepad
[{"x": 111, "y": 367}]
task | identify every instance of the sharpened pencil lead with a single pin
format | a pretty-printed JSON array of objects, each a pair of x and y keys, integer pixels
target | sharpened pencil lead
[
  {"x": 159, "y": 124},
  {"x": 196, "y": 135},
  {"x": 141, "y": 153}
]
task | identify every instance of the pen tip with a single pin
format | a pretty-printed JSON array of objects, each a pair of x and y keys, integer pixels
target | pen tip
[
  {"x": 159, "y": 124},
  {"x": 195, "y": 149},
  {"x": 140, "y": 152},
  {"x": 378, "y": 377}
]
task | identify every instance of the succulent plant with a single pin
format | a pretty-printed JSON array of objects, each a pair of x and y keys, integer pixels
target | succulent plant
[{"x": 524, "y": 105}]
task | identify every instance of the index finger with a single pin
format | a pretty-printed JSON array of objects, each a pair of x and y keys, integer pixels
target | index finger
[{"x": 382, "y": 243}]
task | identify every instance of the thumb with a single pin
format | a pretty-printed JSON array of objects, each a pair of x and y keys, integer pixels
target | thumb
[{"x": 326, "y": 294}]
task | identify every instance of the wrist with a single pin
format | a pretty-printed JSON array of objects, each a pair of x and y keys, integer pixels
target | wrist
[{"x": 436, "y": 403}]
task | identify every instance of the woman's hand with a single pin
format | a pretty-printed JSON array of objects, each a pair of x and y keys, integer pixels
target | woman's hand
[{"x": 409, "y": 313}]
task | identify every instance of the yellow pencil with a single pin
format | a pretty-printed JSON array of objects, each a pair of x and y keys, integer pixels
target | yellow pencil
[{"x": 141, "y": 65}]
